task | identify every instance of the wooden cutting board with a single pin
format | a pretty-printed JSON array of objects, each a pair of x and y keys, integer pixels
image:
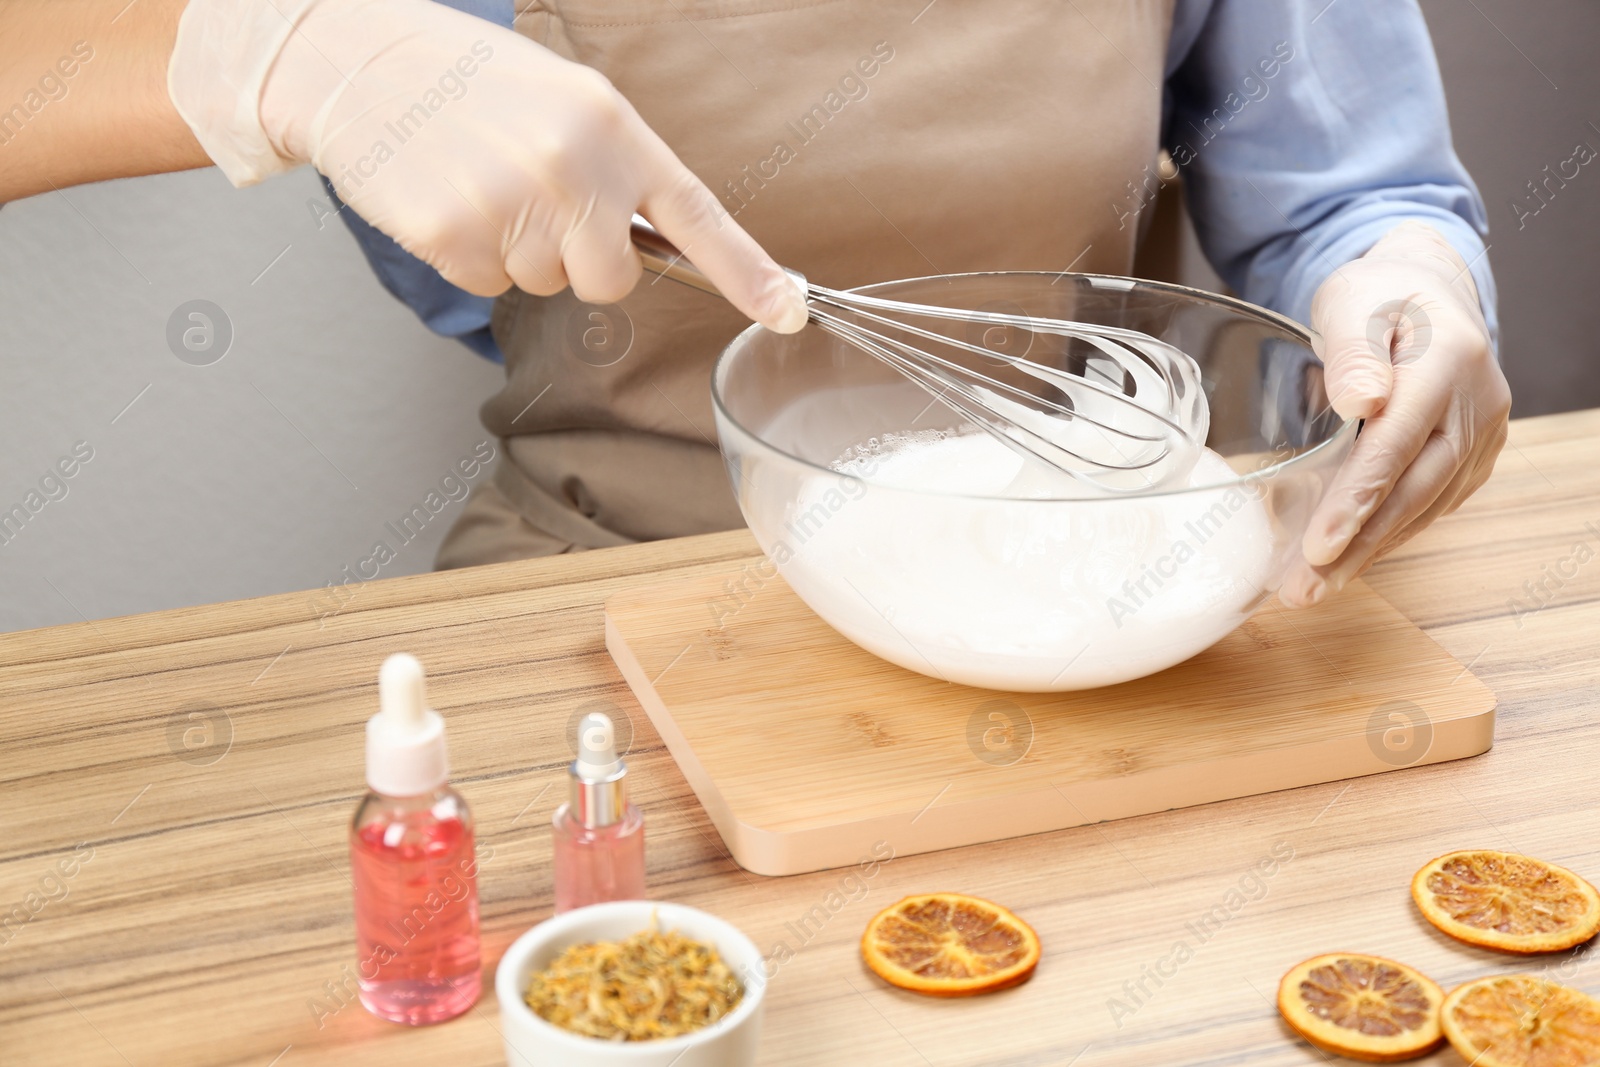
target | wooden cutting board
[{"x": 809, "y": 753}]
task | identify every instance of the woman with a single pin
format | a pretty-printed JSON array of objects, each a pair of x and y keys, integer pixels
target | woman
[{"x": 857, "y": 142}]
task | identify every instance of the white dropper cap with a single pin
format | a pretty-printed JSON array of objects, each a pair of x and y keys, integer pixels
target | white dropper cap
[
  {"x": 406, "y": 753},
  {"x": 597, "y": 748},
  {"x": 597, "y": 792}
]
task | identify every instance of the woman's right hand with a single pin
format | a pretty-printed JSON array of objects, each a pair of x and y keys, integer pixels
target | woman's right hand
[{"x": 482, "y": 153}]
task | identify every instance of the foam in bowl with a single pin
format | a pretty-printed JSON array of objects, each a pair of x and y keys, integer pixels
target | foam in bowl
[{"x": 952, "y": 559}]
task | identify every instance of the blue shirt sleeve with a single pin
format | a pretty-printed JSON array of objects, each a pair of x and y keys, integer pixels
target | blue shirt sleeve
[
  {"x": 443, "y": 307},
  {"x": 1306, "y": 130}
]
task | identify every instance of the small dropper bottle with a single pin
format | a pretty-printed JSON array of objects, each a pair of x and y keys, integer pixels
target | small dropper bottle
[
  {"x": 412, "y": 863},
  {"x": 598, "y": 834}
]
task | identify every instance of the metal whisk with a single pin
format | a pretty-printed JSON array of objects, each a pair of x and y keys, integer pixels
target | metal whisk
[{"x": 1127, "y": 416}]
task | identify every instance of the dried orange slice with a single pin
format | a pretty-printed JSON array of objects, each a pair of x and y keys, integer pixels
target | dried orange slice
[
  {"x": 1362, "y": 1007},
  {"x": 949, "y": 945},
  {"x": 1518, "y": 1020},
  {"x": 1508, "y": 902}
]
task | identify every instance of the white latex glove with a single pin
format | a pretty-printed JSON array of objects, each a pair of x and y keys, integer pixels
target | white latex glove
[
  {"x": 1405, "y": 347},
  {"x": 480, "y": 152}
]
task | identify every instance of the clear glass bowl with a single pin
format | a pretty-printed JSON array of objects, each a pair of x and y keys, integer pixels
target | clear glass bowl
[{"x": 1030, "y": 595}]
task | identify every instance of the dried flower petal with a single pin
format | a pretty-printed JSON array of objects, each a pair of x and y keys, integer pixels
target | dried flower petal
[{"x": 651, "y": 985}]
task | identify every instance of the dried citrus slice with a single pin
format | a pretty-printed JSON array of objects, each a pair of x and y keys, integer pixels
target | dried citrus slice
[
  {"x": 1518, "y": 1020},
  {"x": 1362, "y": 1007},
  {"x": 1508, "y": 902},
  {"x": 949, "y": 945}
]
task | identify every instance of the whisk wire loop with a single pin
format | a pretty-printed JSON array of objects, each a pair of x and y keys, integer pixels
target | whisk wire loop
[{"x": 1129, "y": 432}]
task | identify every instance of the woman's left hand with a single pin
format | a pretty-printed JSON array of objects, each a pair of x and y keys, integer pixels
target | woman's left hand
[{"x": 1404, "y": 346}]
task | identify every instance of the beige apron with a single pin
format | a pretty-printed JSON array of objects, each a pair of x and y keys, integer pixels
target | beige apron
[{"x": 858, "y": 141}]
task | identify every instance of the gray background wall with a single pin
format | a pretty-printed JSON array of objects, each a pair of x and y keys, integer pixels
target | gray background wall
[
  {"x": 1524, "y": 90},
  {"x": 334, "y": 412}
]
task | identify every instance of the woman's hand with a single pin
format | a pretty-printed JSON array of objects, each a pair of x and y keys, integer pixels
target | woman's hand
[
  {"x": 480, "y": 152},
  {"x": 1405, "y": 347}
]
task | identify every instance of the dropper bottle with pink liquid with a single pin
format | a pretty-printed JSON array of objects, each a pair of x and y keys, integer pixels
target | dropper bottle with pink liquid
[
  {"x": 598, "y": 834},
  {"x": 412, "y": 863}
]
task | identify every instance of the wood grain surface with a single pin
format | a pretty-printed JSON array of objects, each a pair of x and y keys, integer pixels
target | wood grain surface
[
  {"x": 751, "y": 703},
  {"x": 194, "y": 771}
]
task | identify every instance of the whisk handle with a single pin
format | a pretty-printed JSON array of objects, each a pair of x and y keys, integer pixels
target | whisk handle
[{"x": 661, "y": 256}]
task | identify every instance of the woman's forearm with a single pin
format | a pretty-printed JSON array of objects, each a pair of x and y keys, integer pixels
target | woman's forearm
[{"x": 83, "y": 93}]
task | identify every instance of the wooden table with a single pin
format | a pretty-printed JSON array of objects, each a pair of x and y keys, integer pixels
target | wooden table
[{"x": 194, "y": 771}]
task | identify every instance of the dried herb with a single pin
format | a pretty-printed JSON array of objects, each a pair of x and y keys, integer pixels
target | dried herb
[{"x": 651, "y": 985}]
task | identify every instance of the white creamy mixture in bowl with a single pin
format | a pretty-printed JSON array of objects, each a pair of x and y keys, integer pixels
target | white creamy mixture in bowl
[{"x": 932, "y": 545}]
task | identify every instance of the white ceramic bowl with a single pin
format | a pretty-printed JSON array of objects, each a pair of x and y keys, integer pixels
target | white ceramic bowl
[{"x": 532, "y": 1042}]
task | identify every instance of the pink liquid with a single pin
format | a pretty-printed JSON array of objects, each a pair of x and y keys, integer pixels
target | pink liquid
[
  {"x": 596, "y": 865},
  {"x": 416, "y": 904}
]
